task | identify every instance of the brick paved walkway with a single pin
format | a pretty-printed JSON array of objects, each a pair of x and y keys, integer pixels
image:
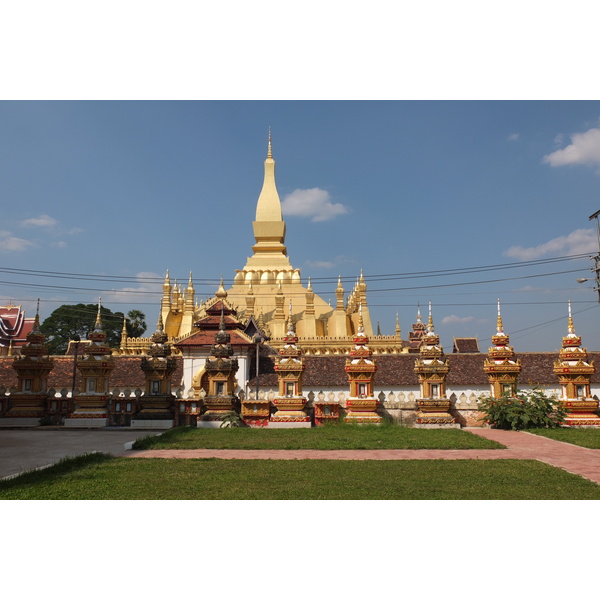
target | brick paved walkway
[{"x": 520, "y": 445}]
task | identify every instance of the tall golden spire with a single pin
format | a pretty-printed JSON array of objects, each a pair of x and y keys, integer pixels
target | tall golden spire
[
  {"x": 339, "y": 294},
  {"x": 290, "y": 322},
  {"x": 98, "y": 324},
  {"x": 270, "y": 252},
  {"x": 268, "y": 207},
  {"x": 499, "y": 326},
  {"x": 361, "y": 326},
  {"x": 570, "y": 325},
  {"x": 269, "y": 147},
  {"x": 36, "y": 322},
  {"x": 430, "y": 321}
]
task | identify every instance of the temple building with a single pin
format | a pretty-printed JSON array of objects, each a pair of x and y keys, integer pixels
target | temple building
[
  {"x": 263, "y": 288},
  {"x": 272, "y": 352},
  {"x": 14, "y": 328}
]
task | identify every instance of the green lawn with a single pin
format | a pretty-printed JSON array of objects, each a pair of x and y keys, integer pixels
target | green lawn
[
  {"x": 334, "y": 437},
  {"x": 101, "y": 477},
  {"x": 588, "y": 438}
]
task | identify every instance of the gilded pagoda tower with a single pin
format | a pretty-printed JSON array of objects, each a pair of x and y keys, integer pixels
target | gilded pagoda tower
[
  {"x": 267, "y": 282},
  {"x": 95, "y": 367},
  {"x": 156, "y": 403},
  {"x": 574, "y": 373},
  {"x": 221, "y": 369},
  {"x": 28, "y": 404},
  {"x": 432, "y": 367},
  {"x": 362, "y": 405},
  {"x": 501, "y": 366},
  {"x": 290, "y": 401},
  {"x": 415, "y": 336}
]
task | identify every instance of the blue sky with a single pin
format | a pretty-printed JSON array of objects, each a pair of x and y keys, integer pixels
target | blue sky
[{"x": 129, "y": 189}]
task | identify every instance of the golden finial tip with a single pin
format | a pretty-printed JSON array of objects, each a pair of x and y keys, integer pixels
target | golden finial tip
[{"x": 269, "y": 146}]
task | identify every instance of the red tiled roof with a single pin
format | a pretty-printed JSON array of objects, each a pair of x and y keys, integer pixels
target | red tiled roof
[
  {"x": 206, "y": 339},
  {"x": 321, "y": 371},
  {"x": 127, "y": 373},
  {"x": 398, "y": 370},
  {"x": 462, "y": 345}
]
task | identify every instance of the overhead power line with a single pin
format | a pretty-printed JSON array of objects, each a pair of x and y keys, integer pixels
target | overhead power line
[{"x": 145, "y": 279}]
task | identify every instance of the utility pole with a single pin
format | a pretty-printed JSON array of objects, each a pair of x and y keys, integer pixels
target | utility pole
[{"x": 595, "y": 258}]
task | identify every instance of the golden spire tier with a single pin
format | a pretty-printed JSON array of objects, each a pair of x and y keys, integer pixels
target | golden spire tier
[
  {"x": 269, "y": 227},
  {"x": 501, "y": 365}
]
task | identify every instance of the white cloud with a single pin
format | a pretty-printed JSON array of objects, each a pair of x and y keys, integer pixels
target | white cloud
[
  {"x": 41, "y": 221},
  {"x": 580, "y": 241},
  {"x": 320, "y": 264},
  {"x": 10, "y": 243},
  {"x": 150, "y": 286},
  {"x": 452, "y": 319},
  {"x": 313, "y": 203},
  {"x": 513, "y": 137},
  {"x": 329, "y": 264},
  {"x": 584, "y": 149}
]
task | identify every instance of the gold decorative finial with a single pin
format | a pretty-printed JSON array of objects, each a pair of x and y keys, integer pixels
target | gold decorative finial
[
  {"x": 499, "y": 326},
  {"x": 269, "y": 148},
  {"x": 397, "y": 325},
  {"x": 430, "y": 320},
  {"x": 290, "y": 322},
  {"x": 571, "y": 327},
  {"x": 309, "y": 286},
  {"x": 221, "y": 293},
  {"x": 98, "y": 324},
  {"x": 361, "y": 325},
  {"x": 36, "y": 322}
]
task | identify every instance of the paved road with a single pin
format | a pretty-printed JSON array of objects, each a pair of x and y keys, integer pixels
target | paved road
[{"x": 24, "y": 449}]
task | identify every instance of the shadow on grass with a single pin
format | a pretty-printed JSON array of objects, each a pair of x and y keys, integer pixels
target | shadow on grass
[{"x": 64, "y": 466}]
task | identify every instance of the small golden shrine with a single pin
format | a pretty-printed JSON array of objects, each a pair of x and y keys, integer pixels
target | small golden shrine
[
  {"x": 362, "y": 405},
  {"x": 290, "y": 401},
  {"x": 501, "y": 366},
  {"x": 156, "y": 403},
  {"x": 221, "y": 369},
  {"x": 432, "y": 367},
  {"x": 32, "y": 367},
  {"x": 574, "y": 373},
  {"x": 95, "y": 366}
]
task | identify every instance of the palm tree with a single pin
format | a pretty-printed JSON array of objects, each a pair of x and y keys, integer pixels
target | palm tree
[{"x": 136, "y": 323}]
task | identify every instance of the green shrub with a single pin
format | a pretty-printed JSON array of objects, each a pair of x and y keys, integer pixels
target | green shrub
[{"x": 523, "y": 411}]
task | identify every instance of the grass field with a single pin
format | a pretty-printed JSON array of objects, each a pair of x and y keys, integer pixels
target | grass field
[
  {"x": 101, "y": 477},
  {"x": 335, "y": 437},
  {"x": 588, "y": 438}
]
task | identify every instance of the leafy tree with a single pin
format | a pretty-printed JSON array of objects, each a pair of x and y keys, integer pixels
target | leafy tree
[
  {"x": 68, "y": 320},
  {"x": 526, "y": 410},
  {"x": 136, "y": 323}
]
